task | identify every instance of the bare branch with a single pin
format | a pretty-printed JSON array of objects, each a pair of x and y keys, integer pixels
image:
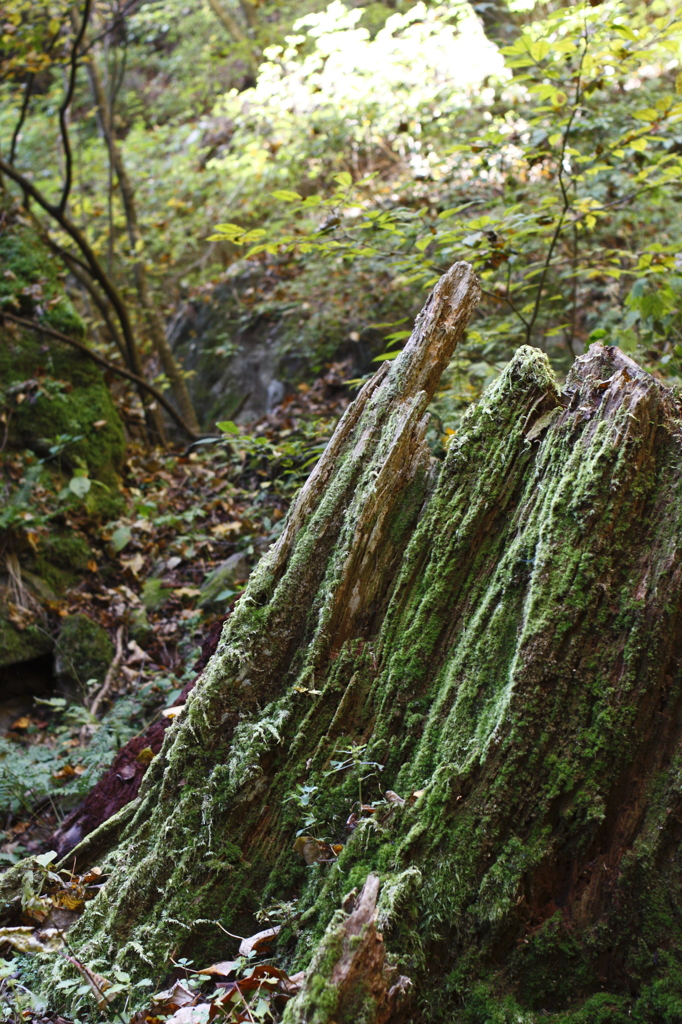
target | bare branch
[
  {"x": 66, "y": 103},
  {"x": 28, "y": 89}
]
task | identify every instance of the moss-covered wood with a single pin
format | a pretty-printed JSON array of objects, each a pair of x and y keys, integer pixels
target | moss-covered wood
[{"x": 501, "y": 632}]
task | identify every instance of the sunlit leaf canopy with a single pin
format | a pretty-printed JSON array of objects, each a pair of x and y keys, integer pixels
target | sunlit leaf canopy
[{"x": 398, "y": 142}]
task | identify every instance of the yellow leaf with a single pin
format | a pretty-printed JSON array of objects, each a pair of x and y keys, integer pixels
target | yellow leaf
[
  {"x": 173, "y": 712},
  {"x": 133, "y": 564},
  {"x": 223, "y": 528}
]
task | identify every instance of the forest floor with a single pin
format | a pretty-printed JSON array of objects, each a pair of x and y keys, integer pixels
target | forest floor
[{"x": 187, "y": 513}]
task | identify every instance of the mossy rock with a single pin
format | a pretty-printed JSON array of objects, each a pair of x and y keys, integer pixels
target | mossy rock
[
  {"x": 31, "y": 279},
  {"x": 83, "y": 652},
  {"x": 217, "y": 587},
  {"x": 19, "y": 645},
  {"x": 61, "y": 558},
  {"x": 65, "y": 395}
]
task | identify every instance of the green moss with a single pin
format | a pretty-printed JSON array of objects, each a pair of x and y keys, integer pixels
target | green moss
[
  {"x": 60, "y": 558},
  {"x": 32, "y": 280},
  {"x": 507, "y": 673},
  {"x": 68, "y": 395},
  {"x": 17, "y": 645},
  {"x": 83, "y": 651},
  {"x": 72, "y": 397}
]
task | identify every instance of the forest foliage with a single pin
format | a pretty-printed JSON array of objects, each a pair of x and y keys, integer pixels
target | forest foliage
[{"x": 390, "y": 142}]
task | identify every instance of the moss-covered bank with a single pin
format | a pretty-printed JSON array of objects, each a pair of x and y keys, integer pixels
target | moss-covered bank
[
  {"x": 57, "y": 420},
  {"x": 64, "y": 393},
  {"x": 502, "y": 635}
]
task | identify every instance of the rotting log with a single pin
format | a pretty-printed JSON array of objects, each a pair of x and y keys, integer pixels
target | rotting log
[{"x": 501, "y": 632}]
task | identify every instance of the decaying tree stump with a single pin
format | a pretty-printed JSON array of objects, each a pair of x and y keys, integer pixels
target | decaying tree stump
[{"x": 499, "y": 631}]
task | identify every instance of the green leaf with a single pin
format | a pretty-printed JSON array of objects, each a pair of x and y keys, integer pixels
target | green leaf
[
  {"x": 384, "y": 356},
  {"x": 121, "y": 536},
  {"x": 286, "y": 196},
  {"x": 254, "y": 236},
  {"x": 228, "y": 427},
  {"x": 46, "y": 858},
  {"x": 80, "y": 485},
  {"x": 229, "y": 230},
  {"x": 344, "y": 178}
]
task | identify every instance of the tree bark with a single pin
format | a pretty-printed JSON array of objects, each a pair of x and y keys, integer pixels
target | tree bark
[{"x": 487, "y": 650}]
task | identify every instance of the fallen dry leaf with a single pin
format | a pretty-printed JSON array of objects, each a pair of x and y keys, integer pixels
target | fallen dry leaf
[
  {"x": 97, "y": 983},
  {"x": 173, "y": 999},
  {"x": 136, "y": 655},
  {"x": 221, "y": 529},
  {"x": 93, "y": 875},
  {"x": 28, "y": 940},
  {"x": 259, "y": 941},
  {"x": 314, "y": 851},
  {"x": 292, "y": 985},
  {"x": 173, "y": 712},
  {"x": 134, "y": 564},
  {"x": 224, "y": 968},
  {"x": 190, "y": 1014},
  {"x": 70, "y": 901}
]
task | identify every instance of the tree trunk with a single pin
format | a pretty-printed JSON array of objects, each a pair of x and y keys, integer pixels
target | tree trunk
[
  {"x": 228, "y": 20},
  {"x": 487, "y": 649},
  {"x": 155, "y": 325}
]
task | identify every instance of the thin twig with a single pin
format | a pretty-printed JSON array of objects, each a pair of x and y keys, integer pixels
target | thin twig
[
  {"x": 110, "y": 677},
  {"x": 564, "y": 193},
  {"x": 28, "y": 89},
  {"x": 240, "y": 937},
  {"x": 66, "y": 103},
  {"x": 239, "y": 993}
]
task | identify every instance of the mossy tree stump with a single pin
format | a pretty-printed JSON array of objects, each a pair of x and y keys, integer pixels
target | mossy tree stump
[{"x": 501, "y": 632}]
